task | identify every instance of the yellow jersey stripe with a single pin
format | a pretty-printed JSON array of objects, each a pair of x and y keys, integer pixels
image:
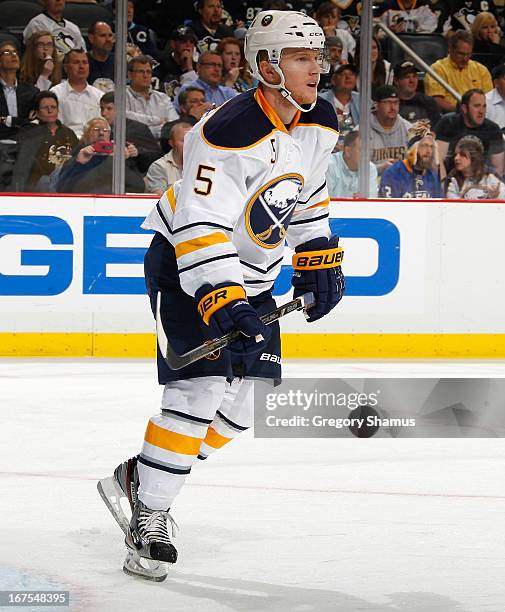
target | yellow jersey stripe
[
  {"x": 319, "y": 204},
  {"x": 171, "y": 441},
  {"x": 188, "y": 246},
  {"x": 171, "y": 197},
  {"x": 214, "y": 439}
]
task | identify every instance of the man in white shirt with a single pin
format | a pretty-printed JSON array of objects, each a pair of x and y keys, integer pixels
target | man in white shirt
[
  {"x": 495, "y": 99},
  {"x": 165, "y": 171},
  {"x": 66, "y": 34},
  {"x": 143, "y": 103},
  {"x": 78, "y": 100}
]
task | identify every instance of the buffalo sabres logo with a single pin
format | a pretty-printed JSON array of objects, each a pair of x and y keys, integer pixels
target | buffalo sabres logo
[{"x": 270, "y": 209}]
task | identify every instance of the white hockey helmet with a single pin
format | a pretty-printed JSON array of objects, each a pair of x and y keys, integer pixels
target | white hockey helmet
[{"x": 273, "y": 31}]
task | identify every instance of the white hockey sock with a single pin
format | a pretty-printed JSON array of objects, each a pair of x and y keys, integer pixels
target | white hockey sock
[
  {"x": 173, "y": 438},
  {"x": 234, "y": 416}
]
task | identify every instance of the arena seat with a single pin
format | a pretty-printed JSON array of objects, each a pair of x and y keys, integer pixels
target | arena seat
[
  {"x": 84, "y": 15},
  {"x": 429, "y": 47},
  {"x": 15, "y": 15}
]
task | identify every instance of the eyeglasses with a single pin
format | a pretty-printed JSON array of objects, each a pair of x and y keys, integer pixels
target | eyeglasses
[
  {"x": 98, "y": 130},
  {"x": 211, "y": 64},
  {"x": 42, "y": 45},
  {"x": 9, "y": 52}
]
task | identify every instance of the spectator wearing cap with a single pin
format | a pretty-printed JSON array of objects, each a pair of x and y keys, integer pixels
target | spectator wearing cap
[
  {"x": 100, "y": 55},
  {"x": 192, "y": 103},
  {"x": 343, "y": 98},
  {"x": 334, "y": 48},
  {"x": 342, "y": 174},
  {"x": 414, "y": 105},
  {"x": 143, "y": 147},
  {"x": 470, "y": 120},
  {"x": 459, "y": 71},
  {"x": 389, "y": 130},
  {"x": 208, "y": 28},
  {"x": 416, "y": 176},
  {"x": 165, "y": 171},
  {"x": 16, "y": 97},
  {"x": 67, "y": 35},
  {"x": 210, "y": 72},
  {"x": 153, "y": 108},
  {"x": 495, "y": 99},
  {"x": 177, "y": 63},
  {"x": 79, "y": 101},
  {"x": 408, "y": 16}
]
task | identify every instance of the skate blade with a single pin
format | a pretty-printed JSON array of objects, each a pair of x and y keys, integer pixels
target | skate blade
[
  {"x": 111, "y": 493},
  {"x": 147, "y": 569}
]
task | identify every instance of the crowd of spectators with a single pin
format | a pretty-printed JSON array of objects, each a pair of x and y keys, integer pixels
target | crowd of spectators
[{"x": 57, "y": 107}]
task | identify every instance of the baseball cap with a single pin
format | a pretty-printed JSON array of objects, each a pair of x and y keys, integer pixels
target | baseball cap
[
  {"x": 183, "y": 33},
  {"x": 343, "y": 67},
  {"x": 404, "y": 68},
  {"x": 385, "y": 91},
  {"x": 333, "y": 41},
  {"x": 498, "y": 71}
]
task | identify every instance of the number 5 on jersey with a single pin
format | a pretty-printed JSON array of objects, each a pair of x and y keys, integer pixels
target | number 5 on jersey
[{"x": 207, "y": 182}]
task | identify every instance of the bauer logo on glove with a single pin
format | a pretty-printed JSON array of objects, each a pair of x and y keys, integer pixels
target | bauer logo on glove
[
  {"x": 317, "y": 260},
  {"x": 317, "y": 269},
  {"x": 217, "y": 299}
]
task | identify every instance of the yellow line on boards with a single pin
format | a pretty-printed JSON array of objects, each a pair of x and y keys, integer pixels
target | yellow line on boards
[{"x": 301, "y": 346}]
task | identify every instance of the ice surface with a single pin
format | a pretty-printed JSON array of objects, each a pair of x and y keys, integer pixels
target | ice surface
[{"x": 377, "y": 525}]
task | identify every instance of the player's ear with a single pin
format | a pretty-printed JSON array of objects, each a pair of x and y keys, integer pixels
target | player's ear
[{"x": 268, "y": 72}]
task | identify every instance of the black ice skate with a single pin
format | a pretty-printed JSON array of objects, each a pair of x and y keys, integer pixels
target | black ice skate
[
  {"x": 149, "y": 546},
  {"x": 147, "y": 540},
  {"x": 122, "y": 484}
]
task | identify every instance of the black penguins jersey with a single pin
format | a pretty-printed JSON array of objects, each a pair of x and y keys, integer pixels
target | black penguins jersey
[{"x": 249, "y": 184}]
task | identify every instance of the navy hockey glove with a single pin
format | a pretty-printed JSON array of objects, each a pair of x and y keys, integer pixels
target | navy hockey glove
[
  {"x": 225, "y": 308},
  {"x": 317, "y": 268}
]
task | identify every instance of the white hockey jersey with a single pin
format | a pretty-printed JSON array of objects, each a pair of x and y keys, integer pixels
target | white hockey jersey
[{"x": 249, "y": 183}]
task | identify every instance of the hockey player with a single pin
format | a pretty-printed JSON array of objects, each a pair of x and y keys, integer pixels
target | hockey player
[{"x": 254, "y": 176}]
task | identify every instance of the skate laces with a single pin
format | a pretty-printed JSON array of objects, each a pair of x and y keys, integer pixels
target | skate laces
[{"x": 152, "y": 524}]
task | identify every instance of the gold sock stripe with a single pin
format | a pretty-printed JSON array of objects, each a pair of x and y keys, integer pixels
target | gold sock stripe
[
  {"x": 171, "y": 441},
  {"x": 214, "y": 439}
]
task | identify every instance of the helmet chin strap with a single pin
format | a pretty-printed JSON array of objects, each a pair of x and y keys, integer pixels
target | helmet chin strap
[{"x": 285, "y": 93}]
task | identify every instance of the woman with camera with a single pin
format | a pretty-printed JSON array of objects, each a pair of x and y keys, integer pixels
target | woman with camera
[{"x": 90, "y": 168}]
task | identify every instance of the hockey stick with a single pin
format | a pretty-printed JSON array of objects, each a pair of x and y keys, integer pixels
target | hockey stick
[{"x": 176, "y": 362}]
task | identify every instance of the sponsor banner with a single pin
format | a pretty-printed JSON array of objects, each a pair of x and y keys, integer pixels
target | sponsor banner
[
  {"x": 422, "y": 278},
  {"x": 382, "y": 407}
]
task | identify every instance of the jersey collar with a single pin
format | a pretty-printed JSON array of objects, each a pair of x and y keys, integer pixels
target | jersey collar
[{"x": 273, "y": 117}]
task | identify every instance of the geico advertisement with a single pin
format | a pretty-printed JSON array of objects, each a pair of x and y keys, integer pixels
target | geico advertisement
[{"x": 83, "y": 254}]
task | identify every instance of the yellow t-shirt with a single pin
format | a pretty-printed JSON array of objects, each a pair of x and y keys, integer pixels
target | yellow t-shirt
[{"x": 472, "y": 76}]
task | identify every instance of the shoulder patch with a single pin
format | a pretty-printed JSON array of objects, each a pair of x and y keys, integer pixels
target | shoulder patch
[
  {"x": 238, "y": 124},
  {"x": 322, "y": 114}
]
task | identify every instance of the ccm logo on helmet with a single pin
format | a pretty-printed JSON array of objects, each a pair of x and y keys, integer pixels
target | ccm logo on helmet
[{"x": 319, "y": 259}]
